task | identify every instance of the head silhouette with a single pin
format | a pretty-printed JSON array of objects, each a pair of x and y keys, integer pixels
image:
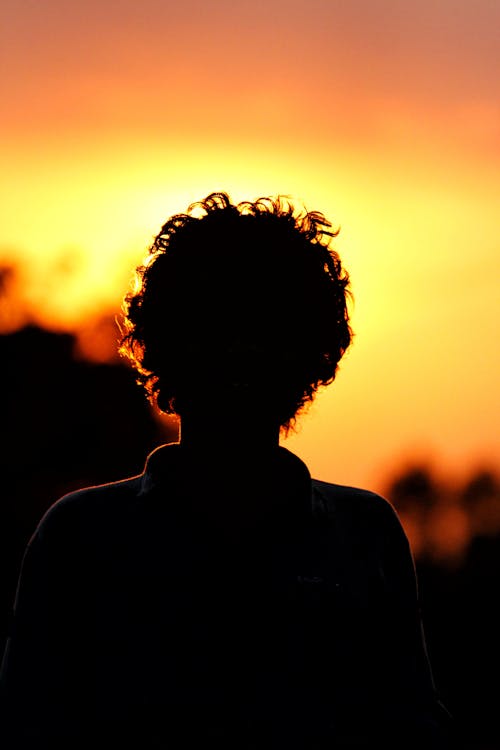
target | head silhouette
[{"x": 238, "y": 308}]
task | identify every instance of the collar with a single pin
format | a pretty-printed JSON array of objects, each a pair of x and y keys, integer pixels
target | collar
[{"x": 172, "y": 467}]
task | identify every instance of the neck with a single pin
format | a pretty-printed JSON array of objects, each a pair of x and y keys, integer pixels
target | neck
[{"x": 233, "y": 437}]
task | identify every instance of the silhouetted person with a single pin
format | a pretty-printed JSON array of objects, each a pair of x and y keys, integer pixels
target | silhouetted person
[{"x": 223, "y": 598}]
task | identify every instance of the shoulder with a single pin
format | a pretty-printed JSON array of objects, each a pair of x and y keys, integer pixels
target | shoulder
[
  {"x": 339, "y": 500},
  {"x": 369, "y": 537},
  {"x": 365, "y": 517},
  {"x": 88, "y": 509}
]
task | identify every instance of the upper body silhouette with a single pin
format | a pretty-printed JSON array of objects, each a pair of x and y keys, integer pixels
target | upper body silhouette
[{"x": 224, "y": 598}]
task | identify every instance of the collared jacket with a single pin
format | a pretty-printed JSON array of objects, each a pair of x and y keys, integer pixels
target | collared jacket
[{"x": 138, "y": 622}]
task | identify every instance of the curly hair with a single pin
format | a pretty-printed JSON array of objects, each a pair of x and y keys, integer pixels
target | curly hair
[{"x": 243, "y": 301}]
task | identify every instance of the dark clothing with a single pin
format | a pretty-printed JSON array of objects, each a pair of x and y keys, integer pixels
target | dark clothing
[{"x": 141, "y": 621}]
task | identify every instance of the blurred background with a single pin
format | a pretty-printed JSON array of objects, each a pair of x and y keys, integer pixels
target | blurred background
[{"x": 382, "y": 114}]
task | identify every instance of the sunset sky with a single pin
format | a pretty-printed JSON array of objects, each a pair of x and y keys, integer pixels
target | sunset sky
[{"x": 384, "y": 115}]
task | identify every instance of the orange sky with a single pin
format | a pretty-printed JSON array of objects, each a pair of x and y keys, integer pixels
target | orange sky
[{"x": 383, "y": 115}]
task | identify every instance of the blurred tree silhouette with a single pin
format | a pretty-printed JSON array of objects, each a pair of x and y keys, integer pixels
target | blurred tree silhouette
[
  {"x": 455, "y": 535},
  {"x": 415, "y": 494}
]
